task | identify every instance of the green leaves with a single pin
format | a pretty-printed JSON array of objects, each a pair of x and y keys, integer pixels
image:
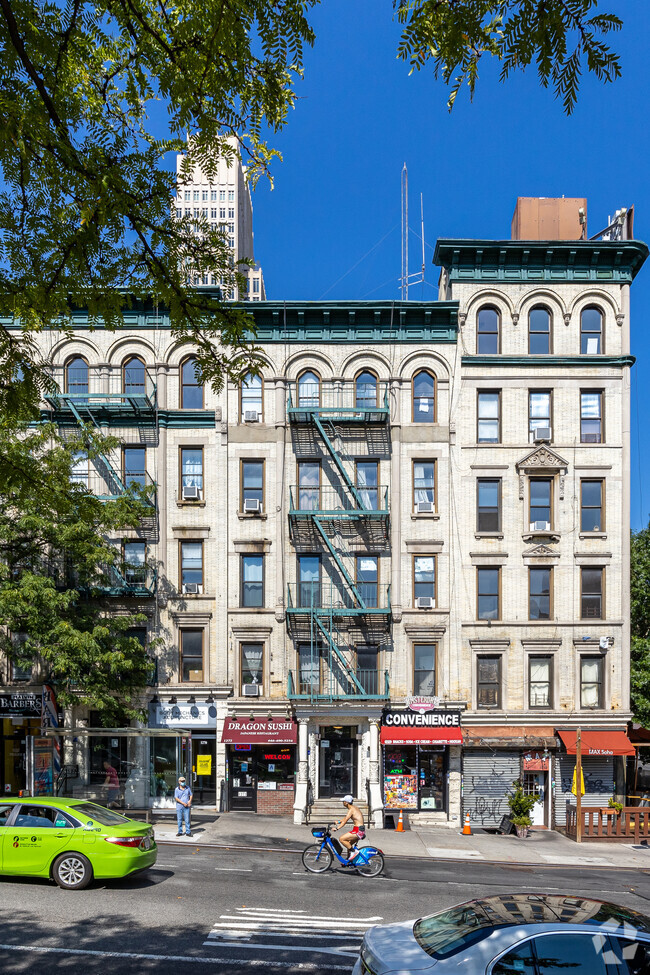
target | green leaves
[
  {"x": 640, "y": 625},
  {"x": 559, "y": 37}
]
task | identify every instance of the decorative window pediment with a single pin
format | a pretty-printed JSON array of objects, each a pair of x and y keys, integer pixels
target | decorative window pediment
[
  {"x": 540, "y": 552},
  {"x": 542, "y": 460}
]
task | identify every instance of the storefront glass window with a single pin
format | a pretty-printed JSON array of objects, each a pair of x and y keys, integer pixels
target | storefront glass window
[
  {"x": 432, "y": 778},
  {"x": 163, "y": 766},
  {"x": 400, "y": 777},
  {"x": 275, "y": 765}
]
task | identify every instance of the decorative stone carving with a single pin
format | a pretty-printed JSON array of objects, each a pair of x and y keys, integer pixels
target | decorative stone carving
[
  {"x": 540, "y": 552},
  {"x": 462, "y": 318},
  {"x": 567, "y": 319},
  {"x": 620, "y": 318},
  {"x": 515, "y": 318},
  {"x": 522, "y": 486},
  {"x": 542, "y": 458}
]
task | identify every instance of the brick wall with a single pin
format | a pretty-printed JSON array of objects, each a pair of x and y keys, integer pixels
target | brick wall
[{"x": 275, "y": 803}]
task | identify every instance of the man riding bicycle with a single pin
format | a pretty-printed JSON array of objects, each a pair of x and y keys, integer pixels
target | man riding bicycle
[{"x": 357, "y": 832}]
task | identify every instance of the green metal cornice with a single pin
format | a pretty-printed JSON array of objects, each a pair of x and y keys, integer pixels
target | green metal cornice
[
  {"x": 550, "y": 361},
  {"x": 541, "y": 260}
]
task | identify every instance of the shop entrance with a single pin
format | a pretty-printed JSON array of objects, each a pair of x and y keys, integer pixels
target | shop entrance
[
  {"x": 535, "y": 784},
  {"x": 204, "y": 773},
  {"x": 338, "y": 762},
  {"x": 243, "y": 780}
]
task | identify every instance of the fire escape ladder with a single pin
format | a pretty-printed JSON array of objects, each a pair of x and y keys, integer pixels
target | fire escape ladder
[
  {"x": 339, "y": 561},
  {"x": 101, "y": 462},
  {"x": 351, "y": 486},
  {"x": 336, "y": 650}
]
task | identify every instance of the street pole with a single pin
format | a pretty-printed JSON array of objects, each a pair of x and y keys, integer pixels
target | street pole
[{"x": 578, "y": 787}]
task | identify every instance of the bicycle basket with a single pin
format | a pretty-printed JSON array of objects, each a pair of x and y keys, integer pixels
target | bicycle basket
[{"x": 319, "y": 833}]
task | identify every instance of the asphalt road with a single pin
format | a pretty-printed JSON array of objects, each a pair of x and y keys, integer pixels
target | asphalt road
[{"x": 222, "y": 912}]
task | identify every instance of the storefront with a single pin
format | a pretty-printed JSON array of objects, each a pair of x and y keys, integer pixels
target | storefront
[
  {"x": 261, "y": 769},
  {"x": 420, "y": 750},
  {"x": 603, "y": 755},
  {"x": 20, "y": 714},
  {"x": 201, "y": 720}
]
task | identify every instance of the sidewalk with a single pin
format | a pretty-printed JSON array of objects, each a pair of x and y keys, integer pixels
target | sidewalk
[{"x": 544, "y": 847}]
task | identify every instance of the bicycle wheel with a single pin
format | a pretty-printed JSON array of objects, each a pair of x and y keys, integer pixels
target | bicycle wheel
[
  {"x": 316, "y": 859},
  {"x": 373, "y": 866}
]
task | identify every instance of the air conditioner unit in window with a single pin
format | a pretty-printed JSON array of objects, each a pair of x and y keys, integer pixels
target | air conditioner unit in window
[
  {"x": 425, "y": 507},
  {"x": 191, "y": 493},
  {"x": 540, "y": 526},
  {"x": 191, "y": 587},
  {"x": 542, "y": 433},
  {"x": 251, "y": 690},
  {"x": 425, "y": 602},
  {"x": 251, "y": 416},
  {"x": 252, "y": 506}
]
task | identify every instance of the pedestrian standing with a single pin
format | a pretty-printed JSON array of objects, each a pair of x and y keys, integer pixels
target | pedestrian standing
[{"x": 183, "y": 797}]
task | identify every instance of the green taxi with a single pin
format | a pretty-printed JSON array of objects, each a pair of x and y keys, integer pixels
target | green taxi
[{"x": 71, "y": 841}]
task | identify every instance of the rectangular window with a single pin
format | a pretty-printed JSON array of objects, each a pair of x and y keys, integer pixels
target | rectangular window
[
  {"x": 252, "y": 483},
  {"x": 424, "y": 485},
  {"x": 213, "y": 196},
  {"x": 231, "y": 196},
  {"x": 489, "y": 417},
  {"x": 204, "y": 195},
  {"x": 252, "y": 580},
  {"x": 488, "y": 584},
  {"x": 79, "y": 473},
  {"x": 256, "y": 286},
  {"x": 252, "y": 663},
  {"x": 213, "y": 213},
  {"x": 591, "y": 417},
  {"x": 309, "y": 580},
  {"x": 488, "y": 682},
  {"x": 540, "y": 508},
  {"x": 191, "y": 566},
  {"x": 367, "y": 668},
  {"x": 187, "y": 195},
  {"x": 191, "y": 473},
  {"x": 539, "y": 593},
  {"x": 195, "y": 196},
  {"x": 133, "y": 466},
  {"x": 231, "y": 213},
  {"x": 591, "y": 593},
  {"x": 309, "y": 485},
  {"x": 222, "y": 213},
  {"x": 222, "y": 196},
  {"x": 367, "y": 569},
  {"x": 308, "y": 669},
  {"x": 540, "y": 670},
  {"x": 135, "y": 562},
  {"x": 251, "y": 398},
  {"x": 191, "y": 668},
  {"x": 539, "y": 415},
  {"x": 424, "y": 577},
  {"x": 367, "y": 475},
  {"x": 424, "y": 669},
  {"x": 488, "y": 504},
  {"x": 591, "y": 682},
  {"x": 591, "y": 506}
]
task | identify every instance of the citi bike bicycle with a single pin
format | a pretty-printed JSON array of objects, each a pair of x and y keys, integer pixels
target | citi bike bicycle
[{"x": 318, "y": 857}]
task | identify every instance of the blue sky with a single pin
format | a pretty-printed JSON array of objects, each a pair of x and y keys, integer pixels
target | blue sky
[{"x": 331, "y": 226}]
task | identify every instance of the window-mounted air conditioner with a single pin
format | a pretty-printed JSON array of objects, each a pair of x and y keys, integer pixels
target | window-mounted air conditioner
[
  {"x": 540, "y": 526},
  {"x": 540, "y": 434},
  {"x": 425, "y": 507},
  {"x": 251, "y": 416},
  {"x": 252, "y": 506},
  {"x": 191, "y": 493},
  {"x": 425, "y": 602},
  {"x": 191, "y": 588},
  {"x": 251, "y": 690}
]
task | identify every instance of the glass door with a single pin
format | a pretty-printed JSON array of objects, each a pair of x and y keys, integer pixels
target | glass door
[
  {"x": 243, "y": 781},
  {"x": 338, "y": 752},
  {"x": 204, "y": 774}
]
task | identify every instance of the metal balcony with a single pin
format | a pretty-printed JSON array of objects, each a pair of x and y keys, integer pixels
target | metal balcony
[
  {"x": 124, "y": 581},
  {"x": 330, "y": 503},
  {"x": 370, "y": 685},
  {"x": 337, "y": 403},
  {"x": 107, "y": 485},
  {"x": 97, "y": 399}
]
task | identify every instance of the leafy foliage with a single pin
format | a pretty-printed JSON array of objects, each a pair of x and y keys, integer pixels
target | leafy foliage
[
  {"x": 55, "y": 567},
  {"x": 559, "y": 37},
  {"x": 85, "y": 212},
  {"x": 521, "y": 804},
  {"x": 640, "y": 625}
]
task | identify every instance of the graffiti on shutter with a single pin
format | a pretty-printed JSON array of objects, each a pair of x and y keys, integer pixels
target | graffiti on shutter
[
  {"x": 487, "y": 778},
  {"x": 599, "y": 783}
]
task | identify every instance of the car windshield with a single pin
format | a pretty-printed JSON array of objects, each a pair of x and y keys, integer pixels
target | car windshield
[
  {"x": 104, "y": 816},
  {"x": 442, "y": 935}
]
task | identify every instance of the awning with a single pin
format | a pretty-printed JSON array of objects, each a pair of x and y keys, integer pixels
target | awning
[
  {"x": 259, "y": 731},
  {"x": 421, "y": 736},
  {"x": 598, "y": 743}
]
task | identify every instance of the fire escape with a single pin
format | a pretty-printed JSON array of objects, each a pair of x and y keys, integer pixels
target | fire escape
[
  {"x": 84, "y": 399},
  {"x": 342, "y": 528}
]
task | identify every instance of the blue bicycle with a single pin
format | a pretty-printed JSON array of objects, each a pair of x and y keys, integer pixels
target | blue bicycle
[{"x": 317, "y": 858}]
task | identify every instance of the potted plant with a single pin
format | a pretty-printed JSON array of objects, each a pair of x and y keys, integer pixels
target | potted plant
[
  {"x": 615, "y": 806},
  {"x": 521, "y": 805}
]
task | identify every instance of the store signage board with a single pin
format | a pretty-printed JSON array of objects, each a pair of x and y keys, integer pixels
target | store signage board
[
  {"x": 263, "y": 731},
  {"x": 184, "y": 715},
  {"x": 421, "y": 703},
  {"x": 436, "y": 718},
  {"x": 21, "y": 705}
]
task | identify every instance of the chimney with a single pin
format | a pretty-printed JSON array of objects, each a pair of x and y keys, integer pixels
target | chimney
[{"x": 548, "y": 218}]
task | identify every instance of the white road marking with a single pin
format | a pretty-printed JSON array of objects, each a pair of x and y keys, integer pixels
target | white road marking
[
  {"x": 350, "y": 951},
  {"x": 234, "y": 869},
  {"x": 265, "y": 923},
  {"x": 299, "y": 915},
  {"x": 444, "y": 853},
  {"x": 245, "y": 933}
]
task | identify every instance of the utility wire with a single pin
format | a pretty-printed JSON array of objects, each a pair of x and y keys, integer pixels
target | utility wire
[{"x": 361, "y": 259}]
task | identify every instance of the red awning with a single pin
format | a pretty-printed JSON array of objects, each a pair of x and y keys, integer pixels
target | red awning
[
  {"x": 598, "y": 743},
  {"x": 421, "y": 736},
  {"x": 262, "y": 731}
]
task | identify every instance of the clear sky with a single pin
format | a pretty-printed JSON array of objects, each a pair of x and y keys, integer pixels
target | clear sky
[{"x": 331, "y": 227}]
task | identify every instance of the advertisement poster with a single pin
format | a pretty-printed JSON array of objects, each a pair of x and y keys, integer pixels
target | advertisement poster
[
  {"x": 204, "y": 764},
  {"x": 43, "y": 763},
  {"x": 400, "y": 792}
]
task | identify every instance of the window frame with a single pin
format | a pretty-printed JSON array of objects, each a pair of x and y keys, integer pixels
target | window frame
[
  {"x": 545, "y": 308},
  {"x": 181, "y": 448},
  {"x": 309, "y": 688},
  {"x": 425, "y": 555},
  {"x": 601, "y": 415},
  {"x": 369, "y": 372},
  {"x": 479, "y": 333},
  {"x": 182, "y": 385},
  {"x": 125, "y": 363},
  {"x": 547, "y": 657},
  {"x": 498, "y": 657},
  {"x": 434, "y": 397},
  {"x": 433, "y": 462},
  {"x": 358, "y": 582},
  {"x": 190, "y": 541},
  {"x": 251, "y": 643},
  {"x": 540, "y": 568},
  {"x": 126, "y": 474},
  {"x": 66, "y": 368},
  {"x": 531, "y": 420},
  {"x": 242, "y": 580},
  {"x": 181, "y": 654},
  {"x": 299, "y": 582},
  {"x": 602, "y": 527},
  {"x": 592, "y": 568},
  {"x": 360, "y": 487},
  {"x": 600, "y": 660},
  {"x": 490, "y": 568},
  {"x": 586, "y": 333},
  {"x": 299, "y": 487},
  {"x": 551, "y": 506},
  {"x": 488, "y": 392},
  {"x": 421, "y": 643},
  {"x": 301, "y": 374},
  {"x": 143, "y": 545},
  {"x": 260, "y": 412},
  {"x": 242, "y": 487},
  {"x": 499, "y": 483}
]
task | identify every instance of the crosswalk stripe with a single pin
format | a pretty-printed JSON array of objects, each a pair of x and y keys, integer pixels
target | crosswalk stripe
[
  {"x": 316, "y": 925},
  {"x": 352, "y": 952},
  {"x": 294, "y": 932},
  {"x": 299, "y": 915}
]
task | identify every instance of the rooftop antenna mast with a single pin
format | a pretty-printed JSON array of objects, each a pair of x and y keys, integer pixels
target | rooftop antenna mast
[{"x": 405, "y": 279}]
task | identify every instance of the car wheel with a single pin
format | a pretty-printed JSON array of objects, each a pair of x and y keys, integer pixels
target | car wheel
[{"x": 72, "y": 871}]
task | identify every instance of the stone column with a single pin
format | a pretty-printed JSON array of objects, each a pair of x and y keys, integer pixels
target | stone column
[{"x": 300, "y": 803}]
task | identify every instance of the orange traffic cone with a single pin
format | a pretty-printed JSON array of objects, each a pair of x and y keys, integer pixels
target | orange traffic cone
[
  {"x": 467, "y": 829},
  {"x": 400, "y": 823}
]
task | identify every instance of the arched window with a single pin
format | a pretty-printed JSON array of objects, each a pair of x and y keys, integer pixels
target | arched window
[
  {"x": 487, "y": 337},
  {"x": 133, "y": 376},
  {"x": 252, "y": 402},
  {"x": 539, "y": 331},
  {"x": 365, "y": 389},
  {"x": 424, "y": 397},
  {"x": 591, "y": 331},
  {"x": 309, "y": 389},
  {"x": 76, "y": 377},
  {"x": 191, "y": 386}
]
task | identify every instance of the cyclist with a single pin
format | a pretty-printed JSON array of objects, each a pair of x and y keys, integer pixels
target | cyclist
[{"x": 357, "y": 832}]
